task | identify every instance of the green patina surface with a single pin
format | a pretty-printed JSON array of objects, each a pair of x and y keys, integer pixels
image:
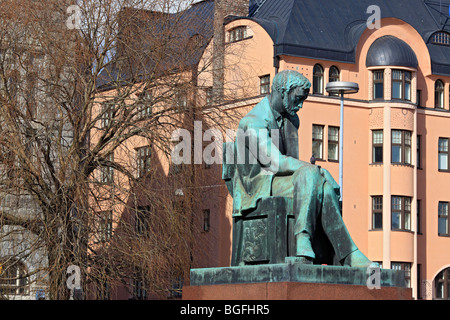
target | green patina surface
[
  {"x": 306, "y": 219},
  {"x": 294, "y": 272}
]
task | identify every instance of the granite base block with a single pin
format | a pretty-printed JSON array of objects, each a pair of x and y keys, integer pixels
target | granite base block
[{"x": 295, "y": 281}]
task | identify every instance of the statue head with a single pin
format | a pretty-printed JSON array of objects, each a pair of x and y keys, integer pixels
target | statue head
[{"x": 289, "y": 89}]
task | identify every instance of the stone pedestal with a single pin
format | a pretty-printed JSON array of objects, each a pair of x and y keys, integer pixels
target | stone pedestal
[{"x": 294, "y": 281}]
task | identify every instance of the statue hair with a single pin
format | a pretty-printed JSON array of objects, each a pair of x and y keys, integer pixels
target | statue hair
[{"x": 287, "y": 80}]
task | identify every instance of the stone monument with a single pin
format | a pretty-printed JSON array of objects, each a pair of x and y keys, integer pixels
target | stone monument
[{"x": 287, "y": 224}]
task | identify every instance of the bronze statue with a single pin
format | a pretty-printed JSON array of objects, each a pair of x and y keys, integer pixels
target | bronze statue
[{"x": 271, "y": 132}]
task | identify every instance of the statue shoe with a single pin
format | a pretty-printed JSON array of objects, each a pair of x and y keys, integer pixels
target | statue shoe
[
  {"x": 304, "y": 248},
  {"x": 358, "y": 260},
  {"x": 299, "y": 260}
]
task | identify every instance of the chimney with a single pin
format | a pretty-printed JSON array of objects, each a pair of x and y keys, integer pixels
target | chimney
[{"x": 222, "y": 9}]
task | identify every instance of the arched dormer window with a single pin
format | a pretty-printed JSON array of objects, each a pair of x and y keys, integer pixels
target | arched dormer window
[
  {"x": 441, "y": 38},
  {"x": 318, "y": 79},
  {"x": 333, "y": 75},
  {"x": 439, "y": 94},
  {"x": 237, "y": 34}
]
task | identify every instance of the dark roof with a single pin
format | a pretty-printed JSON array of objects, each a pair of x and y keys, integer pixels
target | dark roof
[
  {"x": 330, "y": 29},
  {"x": 390, "y": 51},
  {"x": 196, "y": 21}
]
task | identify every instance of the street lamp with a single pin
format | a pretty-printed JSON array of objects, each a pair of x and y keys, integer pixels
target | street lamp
[{"x": 341, "y": 87}]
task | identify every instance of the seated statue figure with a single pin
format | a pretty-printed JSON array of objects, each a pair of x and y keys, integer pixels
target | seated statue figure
[{"x": 271, "y": 132}]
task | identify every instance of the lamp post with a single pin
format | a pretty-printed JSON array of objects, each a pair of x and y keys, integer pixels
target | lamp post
[{"x": 341, "y": 87}]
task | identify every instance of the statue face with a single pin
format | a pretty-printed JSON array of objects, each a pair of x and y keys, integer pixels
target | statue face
[{"x": 293, "y": 101}]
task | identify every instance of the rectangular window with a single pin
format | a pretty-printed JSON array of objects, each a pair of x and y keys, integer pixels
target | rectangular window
[
  {"x": 105, "y": 227},
  {"x": 407, "y": 85},
  {"x": 418, "y": 155},
  {"x": 209, "y": 95},
  {"x": 143, "y": 161},
  {"x": 443, "y": 154},
  {"x": 419, "y": 98},
  {"x": 264, "y": 84},
  {"x": 401, "y": 213},
  {"x": 443, "y": 225},
  {"x": 237, "y": 34},
  {"x": 317, "y": 142},
  {"x": 181, "y": 100},
  {"x": 397, "y": 84},
  {"x": 141, "y": 223},
  {"x": 107, "y": 171},
  {"x": 206, "y": 220},
  {"x": 401, "y": 146},
  {"x": 404, "y": 266},
  {"x": 377, "y": 146},
  {"x": 396, "y": 146},
  {"x": 401, "y": 85},
  {"x": 377, "y": 212},
  {"x": 145, "y": 105},
  {"x": 333, "y": 143},
  {"x": 419, "y": 209},
  {"x": 378, "y": 84},
  {"x": 407, "y": 146},
  {"x": 107, "y": 114},
  {"x": 139, "y": 290}
]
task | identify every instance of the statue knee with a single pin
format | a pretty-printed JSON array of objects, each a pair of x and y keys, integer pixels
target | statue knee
[{"x": 308, "y": 175}]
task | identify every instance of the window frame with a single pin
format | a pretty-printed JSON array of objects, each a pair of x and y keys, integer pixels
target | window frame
[
  {"x": 404, "y": 146},
  {"x": 108, "y": 110},
  {"x": 404, "y": 212},
  {"x": 107, "y": 171},
  {"x": 334, "y": 143},
  {"x": 139, "y": 289},
  {"x": 143, "y": 159},
  {"x": 377, "y": 81},
  {"x": 181, "y": 99},
  {"x": 209, "y": 97},
  {"x": 318, "y": 79},
  {"x": 418, "y": 151},
  {"x": 419, "y": 97},
  {"x": 206, "y": 220},
  {"x": 403, "y": 266},
  {"x": 439, "y": 89},
  {"x": 403, "y": 82},
  {"x": 264, "y": 84},
  {"x": 440, "y": 38},
  {"x": 377, "y": 209},
  {"x": 444, "y": 216},
  {"x": 237, "y": 34},
  {"x": 418, "y": 216},
  {"x": 333, "y": 77},
  {"x": 445, "y": 281},
  {"x": 145, "y": 105},
  {"x": 377, "y": 145},
  {"x": 17, "y": 281},
  {"x": 105, "y": 227},
  {"x": 320, "y": 141},
  {"x": 447, "y": 152},
  {"x": 141, "y": 220}
]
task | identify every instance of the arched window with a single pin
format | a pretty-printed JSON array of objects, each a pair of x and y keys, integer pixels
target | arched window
[
  {"x": 442, "y": 284},
  {"x": 13, "y": 278},
  {"x": 318, "y": 79},
  {"x": 333, "y": 76},
  {"x": 439, "y": 94}
]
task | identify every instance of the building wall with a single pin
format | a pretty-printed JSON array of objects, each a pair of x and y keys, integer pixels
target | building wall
[{"x": 362, "y": 178}]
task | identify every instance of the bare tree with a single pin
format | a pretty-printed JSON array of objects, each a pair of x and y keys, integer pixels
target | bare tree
[{"x": 89, "y": 99}]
